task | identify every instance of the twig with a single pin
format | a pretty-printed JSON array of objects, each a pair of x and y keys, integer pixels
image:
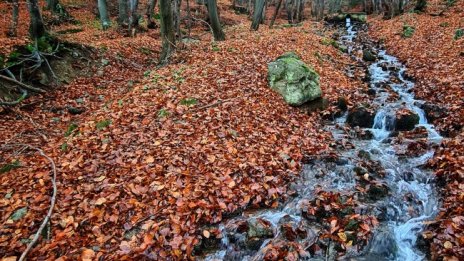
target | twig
[
  {"x": 25, "y": 86},
  {"x": 211, "y": 105},
  {"x": 210, "y": 28},
  {"x": 52, "y": 201}
]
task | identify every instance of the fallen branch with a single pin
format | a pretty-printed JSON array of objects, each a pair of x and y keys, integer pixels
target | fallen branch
[
  {"x": 25, "y": 86},
  {"x": 211, "y": 105},
  {"x": 52, "y": 201}
]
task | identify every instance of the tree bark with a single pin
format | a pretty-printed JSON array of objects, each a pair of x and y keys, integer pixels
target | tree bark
[
  {"x": 176, "y": 13},
  {"x": 151, "y": 14},
  {"x": 276, "y": 12},
  {"x": 167, "y": 31},
  {"x": 420, "y": 5},
  {"x": 257, "y": 14},
  {"x": 12, "y": 31},
  {"x": 36, "y": 28},
  {"x": 134, "y": 16},
  {"x": 57, "y": 8},
  {"x": 214, "y": 20},
  {"x": 103, "y": 11},
  {"x": 123, "y": 18}
]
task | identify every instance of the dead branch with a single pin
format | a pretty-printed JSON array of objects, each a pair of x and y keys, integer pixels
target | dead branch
[
  {"x": 47, "y": 218},
  {"x": 211, "y": 105},
  {"x": 25, "y": 86}
]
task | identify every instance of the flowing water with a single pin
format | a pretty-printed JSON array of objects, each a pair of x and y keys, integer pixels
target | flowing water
[{"x": 411, "y": 199}]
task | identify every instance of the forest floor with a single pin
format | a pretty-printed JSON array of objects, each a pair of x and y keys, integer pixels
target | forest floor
[{"x": 167, "y": 150}]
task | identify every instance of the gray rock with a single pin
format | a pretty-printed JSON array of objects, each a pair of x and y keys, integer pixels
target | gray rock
[
  {"x": 361, "y": 116},
  {"x": 293, "y": 79},
  {"x": 368, "y": 56},
  {"x": 406, "y": 121}
]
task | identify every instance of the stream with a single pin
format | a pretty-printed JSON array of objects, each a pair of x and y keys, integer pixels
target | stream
[{"x": 385, "y": 165}]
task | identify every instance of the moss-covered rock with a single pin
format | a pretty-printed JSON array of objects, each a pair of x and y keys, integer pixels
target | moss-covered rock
[
  {"x": 368, "y": 56},
  {"x": 293, "y": 79}
]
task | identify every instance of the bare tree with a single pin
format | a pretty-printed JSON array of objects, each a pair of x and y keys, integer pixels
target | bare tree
[
  {"x": 37, "y": 28},
  {"x": 134, "y": 16},
  {"x": 12, "y": 31},
  {"x": 276, "y": 12},
  {"x": 103, "y": 11},
  {"x": 57, "y": 8},
  {"x": 151, "y": 14},
  {"x": 176, "y": 13},
  {"x": 214, "y": 20},
  {"x": 123, "y": 18},
  {"x": 167, "y": 31},
  {"x": 258, "y": 14}
]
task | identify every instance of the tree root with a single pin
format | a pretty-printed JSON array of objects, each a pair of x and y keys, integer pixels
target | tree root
[{"x": 25, "y": 86}]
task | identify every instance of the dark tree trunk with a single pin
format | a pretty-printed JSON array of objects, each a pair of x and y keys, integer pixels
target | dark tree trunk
[
  {"x": 103, "y": 11},
  {"x": 123, "y": 18},
  {"x": 167, "y": 31},
  {"x": 276, "y": 12},
  {"x": 12, "y": 31},
  {"x": 151, "y": 14},
  {"x": 420, "y": 5},
  {"x": 57, "y": 8},
  {"x": 257, "y": 14},
  {"x": 37, "y": 28},
  {"x": 214, "y": 20}
]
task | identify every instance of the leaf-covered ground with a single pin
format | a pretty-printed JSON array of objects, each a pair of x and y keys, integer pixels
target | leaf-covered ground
[
  {"x": 434, "y": 55},
  {"x": 159, "y": 152}
]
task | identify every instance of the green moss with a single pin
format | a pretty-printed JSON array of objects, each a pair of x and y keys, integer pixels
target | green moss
[
  {"x": 10, "y": 166},
  {"x": 103, "y": 124},
  {"x": 70, "y": 129},
  {"x": 459, "y": 33},
  {"x": 189, "y": 101},
  {"x": 408, "y": 31}
]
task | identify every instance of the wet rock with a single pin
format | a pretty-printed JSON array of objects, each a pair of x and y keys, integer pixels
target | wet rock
[
  {"x": 288, "y": 232},
  {"x": 406, "y": 120},
  {"x": 364, "y": 155},
  {"x": 377, "y": 191},
  {"x": 361, "y": 116},
  {"x": 293, "y": 79},
  {"x": 432, "y": 111},
  {"x": 260, "y": 228},
  {"x": 254, "y": 243},
  {"x": 369, "y": 56},
  {"x": 342, "y": 103},
  {"x": 360, "y": 171},
  {"x": 364, "y": 134},
  {"x": 382, "y": 246},
  {"x": 371, "y": 92},
  {"x": 343, "y": 48}
]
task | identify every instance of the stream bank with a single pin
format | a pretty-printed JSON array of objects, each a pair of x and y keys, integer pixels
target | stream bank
[{"x": 368, "y": 201}]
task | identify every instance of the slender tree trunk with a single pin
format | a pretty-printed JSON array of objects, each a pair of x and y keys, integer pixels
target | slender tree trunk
[
  {"x": 176, "y": 13},
  {"x": 214, "y": 20},
  {"x": 37, "y": 28},
  {"x": 123, "y": 18},
  {"x": 257, "y": 14},
  {"x": 167, "y": 31},
  {"x": 57, "y": 8},
  {"x": 134, "y": 16},
  {"x": 12, "y": 31},
  {"x": 420, "y": 5},
  {"x": 189, "y": 17},
  {"x": 103, "y": 11},
  {"x": 151, "y": 14},
  {"x": 276, "y": 12}
]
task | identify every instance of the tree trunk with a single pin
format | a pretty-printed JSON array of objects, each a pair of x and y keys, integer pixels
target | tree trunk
[
  {"x": 134, "y": 16},
  {"x": 257, "y": 14},
  {"x": 12, "y": 31},
  {"x": 103, "y": 11},
  {"x": 276, "y": 12},
  {"x": 420, "y": 5},
  {"x": 37, "y": 28},
  {"x": 176, "y": 13},
  {"x": 151, "y": 14},
  {"x": 167, "y": 31},
  {"x": 57, "y": 8},
  {"x": 214, "y": 20},
  {"x": 123, "y": 18}
]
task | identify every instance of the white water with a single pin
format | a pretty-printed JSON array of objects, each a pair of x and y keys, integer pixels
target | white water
[{"x": 411, "y": 199}]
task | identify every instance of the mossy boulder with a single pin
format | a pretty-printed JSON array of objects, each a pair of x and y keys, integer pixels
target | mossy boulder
[
  {"x": 293, "y": 79},
  {"x": 368, "y": 56}
]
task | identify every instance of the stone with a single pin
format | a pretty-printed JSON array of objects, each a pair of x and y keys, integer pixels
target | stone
[
  {"x": 260, "y": 228},
  {"x": 361, "y": 116},
  {"x": 343, "y": 48},
  {"x": 368, "y": 56},
  {"x": 293, "y": 79},
  {"x": 406, "y": 120},
  {"x": 342, "y": 103},
  {"x": 318, "y": 104},
  {"x": 377, "y": 191}
]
